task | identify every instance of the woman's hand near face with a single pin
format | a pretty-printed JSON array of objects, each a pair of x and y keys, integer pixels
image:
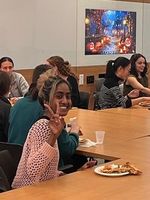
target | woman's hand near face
[{"x": 56, "y": 124}]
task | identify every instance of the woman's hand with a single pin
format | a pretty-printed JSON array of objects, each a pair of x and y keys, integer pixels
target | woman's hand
[
  {"x": 56, "y": 124},
  {"x": 134, "y": 93},
  {"x": 88, "y": 164},
  {"x": 74, "y": 127}
]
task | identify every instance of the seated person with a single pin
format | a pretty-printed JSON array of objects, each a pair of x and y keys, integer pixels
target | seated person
[
  {"x": 4, "y": 106},
  {"x": 40, "y": 157},
  {"x": 137, "y": 78},
  {"x": 63, "y": 69},
  {"x": 110, "y": 94},
  {"x": 32, "y": 108},
  {"x": 19, "y": 86},
  {"x": 26, "y": 111}
]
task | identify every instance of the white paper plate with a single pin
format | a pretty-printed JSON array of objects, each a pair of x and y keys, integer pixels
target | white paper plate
[{"x": 97, "y": 170}]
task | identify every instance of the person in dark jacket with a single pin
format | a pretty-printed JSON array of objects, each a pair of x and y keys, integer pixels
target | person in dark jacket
[
  {"x": 4, "y": 106},
  {"x": 64, "y": 71}
]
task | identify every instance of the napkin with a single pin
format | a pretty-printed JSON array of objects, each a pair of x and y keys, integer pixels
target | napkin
[{"x": 87, "y": 143}]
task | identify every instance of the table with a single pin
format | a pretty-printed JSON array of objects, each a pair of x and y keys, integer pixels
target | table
[{"x": 127, "y": 143}]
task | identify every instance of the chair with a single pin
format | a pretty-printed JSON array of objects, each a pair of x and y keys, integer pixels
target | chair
[
  {"x": 98, "y": 83},
  {"x": 10, "y": 155},
  {"x": 8, "y": 166},
  {"x": 15, "y": 150},
  {"x": 84, "y": 100},
  {"x": 4, "y": 184}
]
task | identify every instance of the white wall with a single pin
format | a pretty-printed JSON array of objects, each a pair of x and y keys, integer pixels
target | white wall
[
  {"x": 146, "y": 31},
  {"x": 95, "y": 4},
  {"x": 33, "y": 30}
]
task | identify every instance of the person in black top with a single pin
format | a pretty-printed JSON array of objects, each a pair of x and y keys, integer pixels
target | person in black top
[
  {"x": 4, "y": 106},
  {"x": 138, "y": 76},
  {"x": 64, "y": 71}
]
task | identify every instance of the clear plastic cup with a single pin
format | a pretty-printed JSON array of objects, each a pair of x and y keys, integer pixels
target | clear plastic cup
[{"x": 100, "y": 137}]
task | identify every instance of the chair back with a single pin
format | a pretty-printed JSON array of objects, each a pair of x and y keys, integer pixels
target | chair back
[
  {"x": 84, "y": 100},
  {"x": 98, "y": 83},
  {"x": 10, "y": 155},
  {"x": 4, "y": 184}
]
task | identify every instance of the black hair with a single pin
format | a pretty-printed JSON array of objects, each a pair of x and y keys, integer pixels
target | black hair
[
  {"x": 113, "y": 65},
  {"x": 4, "y": 59},
  {"x": 133, "y": 60},
  {"x": 33, "y": 90},
  {"x": 4, "y": 83}
]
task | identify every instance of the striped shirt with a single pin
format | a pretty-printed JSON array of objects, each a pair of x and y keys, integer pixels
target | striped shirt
[{"x": 110, "y": 95}]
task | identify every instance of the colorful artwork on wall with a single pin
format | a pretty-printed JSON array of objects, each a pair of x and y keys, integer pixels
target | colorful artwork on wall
[{"x": 109, "y": 32}]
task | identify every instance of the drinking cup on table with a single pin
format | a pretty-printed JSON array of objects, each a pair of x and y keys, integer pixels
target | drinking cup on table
[{"x": 100, "y": 137}]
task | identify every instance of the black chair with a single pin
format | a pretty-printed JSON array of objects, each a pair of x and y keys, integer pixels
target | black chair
[
  {"x": 98, "y": 84},
  {"x": 4, "y": 184},
  {"x": 84, "y": 100},
  {"x": 8, "y": 166},
  {"x": 15, "y": 150},
  {"x": 10, "y": 155}
]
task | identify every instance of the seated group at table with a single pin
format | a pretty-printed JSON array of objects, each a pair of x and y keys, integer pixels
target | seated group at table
[{"x": 37, "y": 120}]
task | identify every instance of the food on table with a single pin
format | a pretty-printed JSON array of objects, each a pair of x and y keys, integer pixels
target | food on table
[{"x": 121, "y": 168}]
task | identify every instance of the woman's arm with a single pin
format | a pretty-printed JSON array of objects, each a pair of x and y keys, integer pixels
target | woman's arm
[
  {"x": 67, "y": 143},
  {"x": 139, "y": 100},
  {"x": 22, "y": 84},
  {"x": 136, "y": 85},
  {"x": 42, "y": 151}
]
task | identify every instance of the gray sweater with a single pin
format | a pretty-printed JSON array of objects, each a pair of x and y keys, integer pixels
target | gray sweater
[{"x": 111, "y": 96}]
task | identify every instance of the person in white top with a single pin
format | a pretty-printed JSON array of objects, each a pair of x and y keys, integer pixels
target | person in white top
[{"x": 19, "y": 86}]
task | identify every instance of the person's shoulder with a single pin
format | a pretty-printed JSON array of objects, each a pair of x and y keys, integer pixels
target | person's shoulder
[
  {"x": 4, "y": 105},
  {"x": 39, "y": 128},
  {"x": 41, "y": 123},
  {"x": 17, "y": 75},
  {"x": 132, "y": 76},
  {"x": 71, "y": 78}
]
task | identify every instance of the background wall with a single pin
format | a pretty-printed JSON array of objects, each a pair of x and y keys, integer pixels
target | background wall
[{"x": 34, "y": 30}]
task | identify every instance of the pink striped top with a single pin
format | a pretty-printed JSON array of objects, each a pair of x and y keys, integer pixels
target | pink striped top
[{"x": 39, "y": 160}]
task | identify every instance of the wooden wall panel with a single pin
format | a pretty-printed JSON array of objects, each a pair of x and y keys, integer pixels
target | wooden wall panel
[{"x": 86, "y": 70}]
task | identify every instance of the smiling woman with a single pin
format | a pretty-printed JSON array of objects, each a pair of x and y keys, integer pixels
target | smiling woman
[
  {"x": 18, "y": 86},
  {"x": 39, "y": 161},
  {"x": 137, "y": 78}
]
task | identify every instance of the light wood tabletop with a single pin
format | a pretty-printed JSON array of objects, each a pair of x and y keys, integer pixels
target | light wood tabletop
[
  {"x": 126, "y": 139},
  {"x": 116, "y": 123}
]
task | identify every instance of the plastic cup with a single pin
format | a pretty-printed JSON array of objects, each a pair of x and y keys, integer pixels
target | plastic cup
[{"x": 100, "y": 137}]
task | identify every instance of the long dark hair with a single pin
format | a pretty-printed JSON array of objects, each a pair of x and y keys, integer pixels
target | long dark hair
[
  {"x": 33, "y": 90},
  {"x": 113, "y": 65},
  {"x": 4, "y": 59},
  {"x": 4, "y": 83},
  {"x": 133, "y": 60}
]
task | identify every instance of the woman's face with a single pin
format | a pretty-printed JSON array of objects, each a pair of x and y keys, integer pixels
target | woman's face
[
  {"x": 62, "y": 99},
  {"x": 140, "y": 65},
  {"x": 123, "y": 73},
  {"x": 7, "y": 66}
]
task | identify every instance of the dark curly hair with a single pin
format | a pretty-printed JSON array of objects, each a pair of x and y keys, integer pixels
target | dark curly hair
[
  {"x": 133, "y": 60},
  {"x": 63, "y": 67}
]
